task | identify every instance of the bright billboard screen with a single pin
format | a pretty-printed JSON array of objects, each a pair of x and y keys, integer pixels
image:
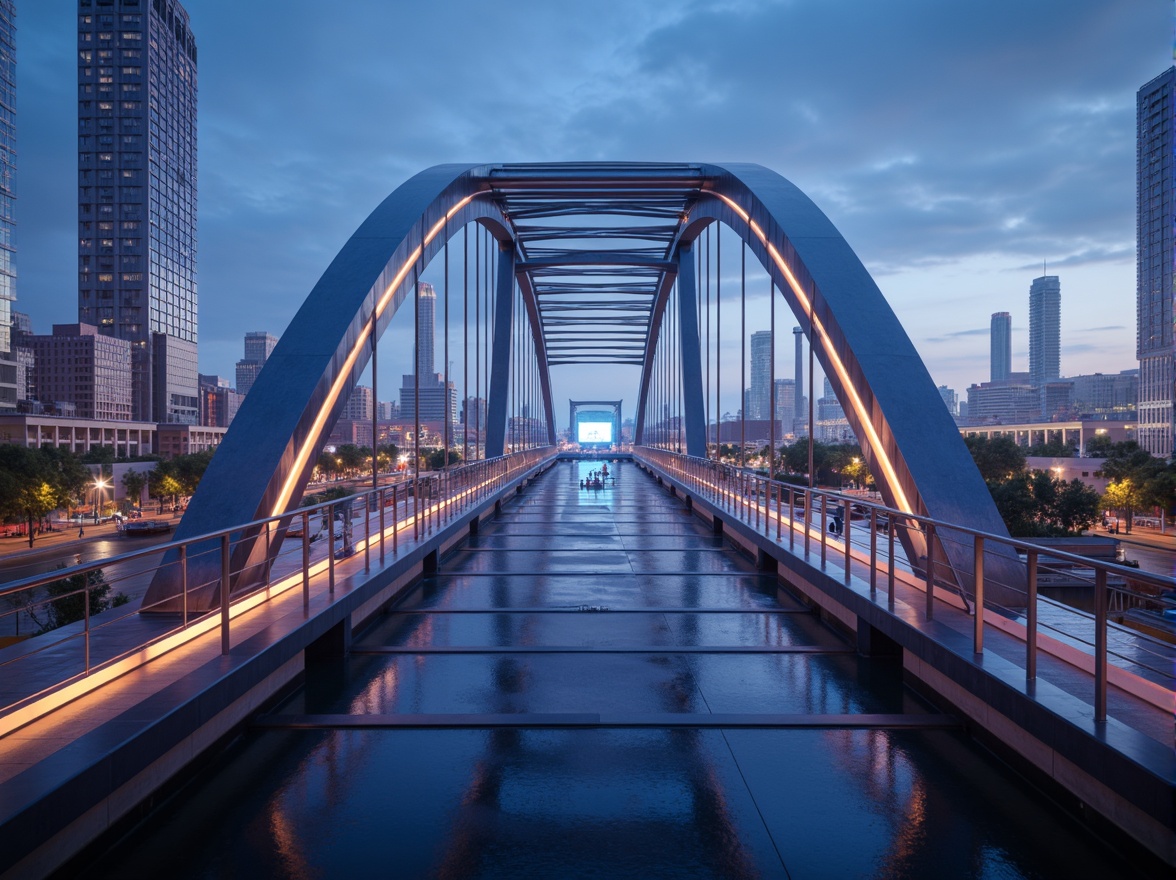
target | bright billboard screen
[{"x": 594, "y": 432}]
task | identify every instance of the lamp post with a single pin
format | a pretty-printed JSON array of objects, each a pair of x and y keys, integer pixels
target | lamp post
[{"x": 99, "y": 485}]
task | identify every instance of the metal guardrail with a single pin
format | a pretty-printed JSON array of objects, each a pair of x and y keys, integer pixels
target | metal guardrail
[
  {"x": 316, "y": 537},
  {"x": 768, "y": 505}
]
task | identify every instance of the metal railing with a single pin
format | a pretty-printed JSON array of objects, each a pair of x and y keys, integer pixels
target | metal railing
[
  {"x": 848, "y": 531},
  {"x": 314, "y": 541}
]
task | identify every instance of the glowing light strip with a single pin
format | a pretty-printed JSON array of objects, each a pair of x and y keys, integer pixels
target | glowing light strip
[
  {"x": 875, "y": 442},
  {"x": 303, "y": 454}
]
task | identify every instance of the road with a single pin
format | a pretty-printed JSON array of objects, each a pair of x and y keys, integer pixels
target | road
[{"x": 63, "y": 549}]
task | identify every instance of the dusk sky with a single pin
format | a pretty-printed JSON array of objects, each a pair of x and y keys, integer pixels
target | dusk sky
[{"x": 956, "y": 146}]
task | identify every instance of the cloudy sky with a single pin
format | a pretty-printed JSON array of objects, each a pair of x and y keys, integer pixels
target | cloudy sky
[{"x": 957, "y": 146}]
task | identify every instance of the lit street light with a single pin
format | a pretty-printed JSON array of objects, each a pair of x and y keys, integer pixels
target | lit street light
[{"x": 99, "y": 485}]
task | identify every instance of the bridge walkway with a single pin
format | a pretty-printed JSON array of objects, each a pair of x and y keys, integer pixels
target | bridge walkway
[{"x": 596, "y": 682}]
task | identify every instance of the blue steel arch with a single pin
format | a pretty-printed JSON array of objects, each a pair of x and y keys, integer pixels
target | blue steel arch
[
  {"x": 911, "y": 443},
  {"x": 267, "y": 456}
]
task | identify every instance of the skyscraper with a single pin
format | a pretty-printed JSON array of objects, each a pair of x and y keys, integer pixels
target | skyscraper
[
  {"x": 137, "y": 194},
  {"x": 427, "y": 321},
  {"x": 1155, "y": 194},
  {"x": 759, "y": 403},
  {"x": 8, "y": 367},
  {"x": 1000, "y": 347},
  {"x": 259, "y": 345},
  {"x": 1045, "y": 329},
  {"x": 438, "y": 402}
]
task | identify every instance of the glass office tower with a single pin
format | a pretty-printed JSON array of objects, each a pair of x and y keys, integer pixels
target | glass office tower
[{"x": 137, "y": 194}]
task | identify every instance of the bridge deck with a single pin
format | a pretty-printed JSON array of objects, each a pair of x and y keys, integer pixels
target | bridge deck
[{"x": 597, "y": 684}]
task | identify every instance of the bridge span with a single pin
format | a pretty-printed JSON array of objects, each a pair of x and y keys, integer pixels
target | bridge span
[{"x": 672, "y": 675}]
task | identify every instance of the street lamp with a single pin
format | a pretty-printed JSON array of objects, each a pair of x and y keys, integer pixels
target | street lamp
[{"x": 99, "y": 485}]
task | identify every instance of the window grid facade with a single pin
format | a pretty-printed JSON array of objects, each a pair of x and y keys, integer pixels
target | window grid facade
[
  {"x": 1155, "y": 108},
  {"x": 137, "y": 188}
]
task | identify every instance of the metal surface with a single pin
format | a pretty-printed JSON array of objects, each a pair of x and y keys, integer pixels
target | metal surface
[{"x": 595, "y": 249}]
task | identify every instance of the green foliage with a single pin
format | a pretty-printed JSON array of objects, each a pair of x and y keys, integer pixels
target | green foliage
[
  {"x": 1054, "y": 449},
  {"x": 436, "y": 460},
  {"x": 1031, "y": 504},
  {"x": 997, "y": 458},
  {"x": 68, "y": 600},
  {"x": 1138, "y": 480},
  {"x": 134, "y": 482},
  {"x": 34, "y": 482},
  {"x": 98, "y": 455},
  {"x": 1038, "y": 504},
  {"x": 830, "y": 461}
]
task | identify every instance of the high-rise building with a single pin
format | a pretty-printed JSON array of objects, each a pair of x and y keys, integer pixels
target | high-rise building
[
  {"x": 1000, "y": 347},
  {"x": 1045, "y": 330},
  {"x": 358, "y": 407},
  {"x": 427, "y": 323},
  {"x": 950, "y": 399},
  {"x": 77, "y": 365},
  {"x": 259, "y": 345},
  {"x": 759, "y": 402},
  {"x": 438, "y": 402},
  {"x": 219, "y": 401},
  {"x": 9, "y": 391},
  {"x": 137, "y": 194},
  {"x": 1155, "y": 196}
]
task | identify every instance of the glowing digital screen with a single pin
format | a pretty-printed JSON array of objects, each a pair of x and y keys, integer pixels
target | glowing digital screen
[{"x": 594, "y": 432}]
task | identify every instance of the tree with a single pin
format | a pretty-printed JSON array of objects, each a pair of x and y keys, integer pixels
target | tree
[
  {"x": 997, "y": 458},
  {"x": 68, "y": 600},
  {"x": 135, "y": 482},
  {"x": 163, "y": 485},
  {"x": 1054, "y": 448},
  {"x": 34, "y": 482},
  {"x": 436, "y": 459},
  {"x": 858, "y": 471},
  {"x": 1123, "y": 497}
]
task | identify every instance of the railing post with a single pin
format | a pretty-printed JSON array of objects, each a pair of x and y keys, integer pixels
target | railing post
[
  {"x": 306, "y": 560},
  {"x": 930, "y": 533},
  {"x": 873, "y": 550},
  {"x": 380, "y": 501},
  {"x": 845, "y": 536},
  {"x": 367, "y": 533},
  {"x": 1031, "y": 619},
  {"x": 978, "y": 571},
  {"x": 395, "y": 522},
  {"x": 86, "y": 613},
  {"x": 224, "y": 597},
  {"x": 890, "y": 527},
  {"x": 268, "y": 545},
  {"x": 184, "y": 583},
  {"x": 779, "y": 510},
  {"x": 331, "y": 548},
  {"x": 806, "y": 495},
  {"x": 1100, "y": 645},
  {"x": 822, "y": 526}
]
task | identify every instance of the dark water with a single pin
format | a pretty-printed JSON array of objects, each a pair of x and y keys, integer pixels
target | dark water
[{"x": 607, "y": 802}]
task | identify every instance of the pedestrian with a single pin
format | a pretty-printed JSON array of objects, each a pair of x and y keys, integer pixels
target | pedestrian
[{"x": 81, "y": 531}]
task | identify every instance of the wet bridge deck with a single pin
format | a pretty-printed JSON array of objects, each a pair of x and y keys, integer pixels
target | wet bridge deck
[{"x": 596, "y": 685}]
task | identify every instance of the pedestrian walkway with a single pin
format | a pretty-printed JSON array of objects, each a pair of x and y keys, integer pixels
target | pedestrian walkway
[{"x": 595, "y": 685}]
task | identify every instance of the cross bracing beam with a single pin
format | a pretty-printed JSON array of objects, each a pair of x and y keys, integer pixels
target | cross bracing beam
[{"x": 621, "y": 229}]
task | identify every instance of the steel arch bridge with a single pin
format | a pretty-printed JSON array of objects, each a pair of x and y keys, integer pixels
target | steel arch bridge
[{"x": 594, "y": 256}]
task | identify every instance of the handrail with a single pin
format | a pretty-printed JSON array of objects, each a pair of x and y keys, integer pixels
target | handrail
[
  {"x": 744, "y": 494},
  {"x": 424, "y": 504}
]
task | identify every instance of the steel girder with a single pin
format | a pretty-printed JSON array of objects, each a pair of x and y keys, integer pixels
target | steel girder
[{"x": 597, "y": 248}]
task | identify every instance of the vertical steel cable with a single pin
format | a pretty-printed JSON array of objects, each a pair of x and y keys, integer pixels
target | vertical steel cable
[
  {"x": 742, "y": 353},
  {"x": 465, "y": 356}
]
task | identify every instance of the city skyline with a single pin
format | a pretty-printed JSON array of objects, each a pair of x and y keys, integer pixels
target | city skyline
[{"x": 952, "y": 211}]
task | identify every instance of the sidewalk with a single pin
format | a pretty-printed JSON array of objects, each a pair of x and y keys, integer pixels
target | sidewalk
[{"x": 64, "y": 535}]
